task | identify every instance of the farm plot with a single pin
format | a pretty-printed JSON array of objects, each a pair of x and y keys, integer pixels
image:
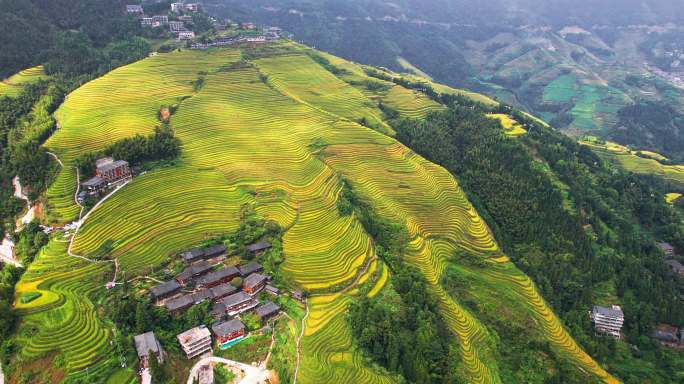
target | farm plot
[
  {"x": 13, "y": 85},
  {"x": 64, "y": 318},
  {"x": 271, "y": 141}
]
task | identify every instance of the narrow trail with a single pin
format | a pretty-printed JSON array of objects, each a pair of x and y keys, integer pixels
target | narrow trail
[
  {"x": 299, "y": 339},
  {"x": 82, "y": 219}
]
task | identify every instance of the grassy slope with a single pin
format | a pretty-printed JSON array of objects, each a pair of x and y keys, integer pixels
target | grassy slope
[{"x": 283, "y": 144}]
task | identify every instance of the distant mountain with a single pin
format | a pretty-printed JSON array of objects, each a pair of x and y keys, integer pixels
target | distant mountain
[{"x": 578, "y": 65}]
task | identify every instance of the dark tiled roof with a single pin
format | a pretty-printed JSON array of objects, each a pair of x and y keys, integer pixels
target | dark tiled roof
[
  {"x": 202, "y": 295},
  {"x": 235, "y": 299},
  {"x": 260, "y": 246},
  {"x": 272, "y": 288},
  {"x": 267, "y": 309},
  {"x": 165, "y": 288},
  {"x": 192, "y": 254},
  {"x": 200, "y": 267},
  {"x": 218, "y": 310},
  {"x": 227, "y": 327},
  {"x": 253, "y": 280},
  {"x": 146, "y": 342},
  {"x": 250, "y": 268},
  {"x": 93, "y": 182},
  {"x": 222, "y": 290},
  {"x": 218, "y": 275},
  {"x": 180, "y": 302},
  {"x": 675, "y": 265},
  {"x": 214, "y": 250}
]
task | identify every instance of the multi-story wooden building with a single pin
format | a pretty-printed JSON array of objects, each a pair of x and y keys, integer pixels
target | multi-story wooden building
[
  {"x": 228, "y": 333},
  {"x": 146, "y": 345}
]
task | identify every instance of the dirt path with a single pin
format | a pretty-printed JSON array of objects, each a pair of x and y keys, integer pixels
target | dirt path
[
  {"x": 299, "y": 339},
  {"x": 82, "y": 219}
]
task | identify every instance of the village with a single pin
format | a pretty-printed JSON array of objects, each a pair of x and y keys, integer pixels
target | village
[
  {"x": 234, "y": 291},
  {"x": 179, "y": 21}
]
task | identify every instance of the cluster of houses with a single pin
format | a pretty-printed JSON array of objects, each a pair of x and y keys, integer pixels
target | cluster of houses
[
  {"x": 109, "y": 173},
  {"x": 270, "y": 34},
  {"x": 670, "y": 253},
  {"x": 182, "y": 14},
  {"x": 201, "y": 281}
]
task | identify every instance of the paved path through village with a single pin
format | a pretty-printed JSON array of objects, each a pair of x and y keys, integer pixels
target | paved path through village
[
  {"x": 299, "y": 339},
  {"x": 253, "y": 375}
]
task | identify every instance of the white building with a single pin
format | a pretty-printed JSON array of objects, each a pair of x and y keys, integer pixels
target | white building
[
  {"x": 195, "y": 341},
  {"x": 176, "y": 7},
  {"x": 134, "y": 9},
  {"x": 193, "y": 7},
  {"x": 176, "y": 26},
  {"x": 146, "y": 21},
  {"x": 186, "y": 35},
  {"x": 608, "y": 320}
]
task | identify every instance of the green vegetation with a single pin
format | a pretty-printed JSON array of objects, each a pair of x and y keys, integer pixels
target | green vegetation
[
  {"x": 521, "y": 203},
  {"x": 279, "y": 135}
]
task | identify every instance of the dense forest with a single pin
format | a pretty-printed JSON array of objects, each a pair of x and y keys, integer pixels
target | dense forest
[{"x": 574, "y": 223}]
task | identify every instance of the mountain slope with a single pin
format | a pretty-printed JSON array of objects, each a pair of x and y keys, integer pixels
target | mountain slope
[{"x": 255, "y": 132}]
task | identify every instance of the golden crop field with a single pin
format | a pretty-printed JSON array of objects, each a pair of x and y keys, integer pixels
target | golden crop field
[
  {"x": 12, "y": 86},
  {"x": 286, "y": 128}
]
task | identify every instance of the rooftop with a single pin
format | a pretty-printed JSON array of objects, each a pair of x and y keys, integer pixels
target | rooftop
[
  {"x": 253, "y": 280},
  {"x": 223, "y": 290},
  {"x": 260, "y": 246},
  {"x": 192, "y": 254},
  {"x": 165, "y": 288},
  {"x": 236, "y": 298},
  {"x": 267, "y": 309},
  {"x": 614, "y": 311},
  {"x": 194, "y": 335},
  {"x": 218, "y": 275},
  {"x": 179, "y": 302},
  {"x": 214, "y": 250},
  {"x": 227, "y": 327},
  {"x": 250, "y": 268},
  {"x": 146, "y": 342}
]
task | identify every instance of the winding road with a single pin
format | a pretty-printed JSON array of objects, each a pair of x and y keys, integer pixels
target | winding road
[{"x": 253, "y": 375}]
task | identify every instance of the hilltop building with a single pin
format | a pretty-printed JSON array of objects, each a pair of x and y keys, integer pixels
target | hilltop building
[
  {"x": 195, "y": 341},
  {"x": 254, "y": 283},
  {"x": 667, "y": 335},
  {"x": 608, "y": 320},
  {"x": 134, "y": 9},
  {"x": 203, "y": 253},
  {"x": 192, "y": 7},
  {"x": 195, "y": 269},
  {"x": 217, "y": 277},
  {"x": 146, "y": 344},
  {"x": 112, "y": 171},
  {"x": 160, "y": 20},
  {"x": 164, "y": 290},
  {"x": 176, "y": 7},
  {"x": 259, "y": 248},
  {"x": 248, "y": 269},
  {"x": 267, "y": 310},
  {"x": 676, "y": 266},
  {"x": 238, "y": 303},
  {"x": 228, "y": 333},
  {"x": 176, "y": 26},
  {"x": 667, "y": 249},
  {"x": 186, "y": 35}
]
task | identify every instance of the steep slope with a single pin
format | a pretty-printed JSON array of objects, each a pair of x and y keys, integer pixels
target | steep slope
[{"x": 281, "y": 132}]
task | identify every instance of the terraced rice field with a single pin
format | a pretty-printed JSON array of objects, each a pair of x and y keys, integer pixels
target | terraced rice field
[
  {"x": 628, "y": 160},
  {"x": 12, "y": 86},
  {"x": 672, "y": 197},
  {"x": 64, "y": 318},
  {"x": 281, "y": 135}
]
